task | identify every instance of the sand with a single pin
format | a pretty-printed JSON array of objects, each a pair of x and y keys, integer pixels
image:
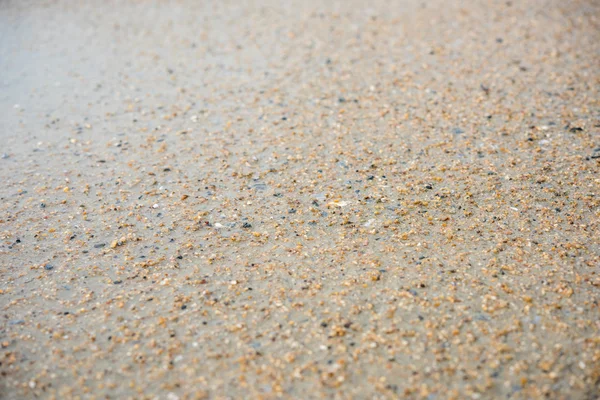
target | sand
[{"x": 300, "y": 199}]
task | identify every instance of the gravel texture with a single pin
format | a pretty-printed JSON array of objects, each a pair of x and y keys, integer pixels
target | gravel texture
[{"x": 300, "y": 199}]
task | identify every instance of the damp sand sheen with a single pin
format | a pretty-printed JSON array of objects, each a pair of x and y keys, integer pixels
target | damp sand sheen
[{"x": 300, "y": 200}]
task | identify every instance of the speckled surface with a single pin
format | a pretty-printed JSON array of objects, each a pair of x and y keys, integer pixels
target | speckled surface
[{"x": 349, "y": 200}]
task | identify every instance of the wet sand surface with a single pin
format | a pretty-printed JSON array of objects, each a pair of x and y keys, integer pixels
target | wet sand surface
[{"x": 300, "y": 199}]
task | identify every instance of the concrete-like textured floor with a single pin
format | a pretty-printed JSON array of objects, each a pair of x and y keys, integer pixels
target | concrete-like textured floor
[{"x": 307, "y": 199}]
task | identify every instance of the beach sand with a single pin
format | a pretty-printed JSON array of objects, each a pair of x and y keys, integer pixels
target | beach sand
[{"x": 300, "y": 199}]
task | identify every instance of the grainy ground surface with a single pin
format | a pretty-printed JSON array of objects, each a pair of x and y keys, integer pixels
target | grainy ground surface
[{"x": 349, "y": 200}]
